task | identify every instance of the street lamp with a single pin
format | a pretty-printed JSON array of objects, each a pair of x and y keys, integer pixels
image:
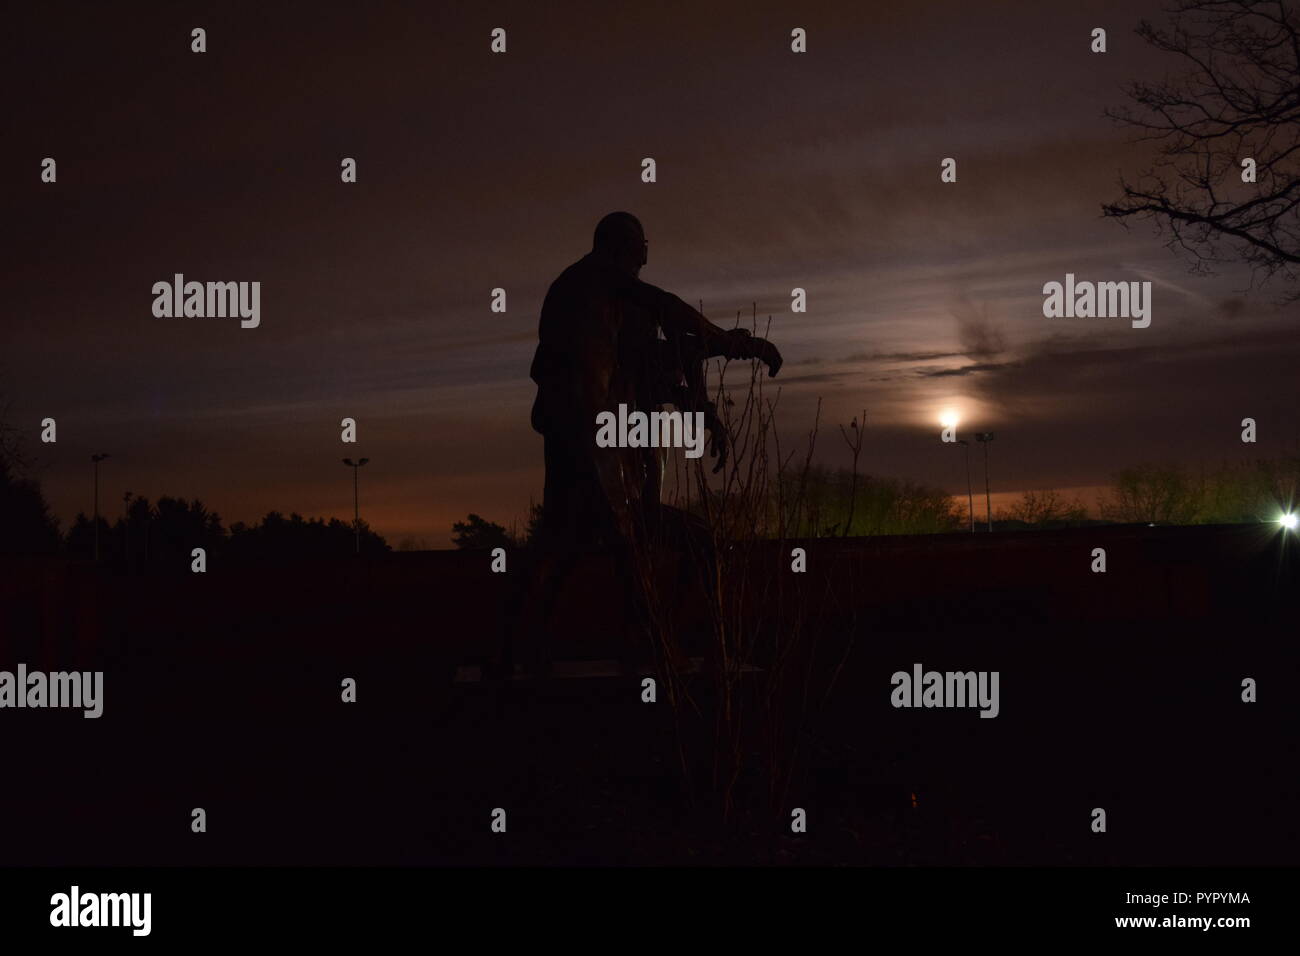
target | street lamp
[
  {"x": 985, "y": 438},
  {"x": 970, "y": 496},
  {"x": 356, "y": 505},
  {"x": 97, "y": 459}
]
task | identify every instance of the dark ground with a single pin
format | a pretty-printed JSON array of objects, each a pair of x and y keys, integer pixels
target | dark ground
[{"x": 222, "y": 691}]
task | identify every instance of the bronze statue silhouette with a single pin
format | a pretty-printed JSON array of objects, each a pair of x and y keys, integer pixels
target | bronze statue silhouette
[{"x": 608, "y": 338}]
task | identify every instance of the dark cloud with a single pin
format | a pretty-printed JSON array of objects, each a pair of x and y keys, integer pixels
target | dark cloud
[
  {"x": 963, "y": 370},
  {"x": 902, "y": 356},
  {"x": 978, "y": 333}
]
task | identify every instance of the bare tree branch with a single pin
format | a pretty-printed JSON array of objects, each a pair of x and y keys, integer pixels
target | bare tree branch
[{"x": 1237, "y": 98}]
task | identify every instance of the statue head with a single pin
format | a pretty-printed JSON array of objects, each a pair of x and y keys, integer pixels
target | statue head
[{"x": 620, "y": 242}]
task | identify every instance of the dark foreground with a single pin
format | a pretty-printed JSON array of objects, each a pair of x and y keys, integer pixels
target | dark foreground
[{"x": 222, "y": 691}]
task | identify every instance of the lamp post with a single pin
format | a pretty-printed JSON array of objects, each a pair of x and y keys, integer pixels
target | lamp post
[
  {"x": 356, "y": 501},
  {"x": 970, "y": 495},
  {"x": 97, "y": 459},
  {"x": 985, "y": 438}
]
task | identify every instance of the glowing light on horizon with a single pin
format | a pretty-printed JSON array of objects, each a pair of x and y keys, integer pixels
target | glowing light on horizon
[{"x": 949, "y": 419}]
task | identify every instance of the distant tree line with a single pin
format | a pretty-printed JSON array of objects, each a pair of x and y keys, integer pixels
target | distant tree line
[
  {"x": 161, "y": 534},
  {"x": 836, "y": 503},
  {"x": 476, "y": 533},
  {"x": 26, "y": 524},
  {"x": 1258, "y": 491},
  {"x": 841, "y": 503}
]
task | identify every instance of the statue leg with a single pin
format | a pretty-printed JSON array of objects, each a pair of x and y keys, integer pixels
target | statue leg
[{"x": 565, "y": 532}]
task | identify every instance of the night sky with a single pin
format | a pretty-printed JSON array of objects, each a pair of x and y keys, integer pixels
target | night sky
[{"x": 476, "y": 170}]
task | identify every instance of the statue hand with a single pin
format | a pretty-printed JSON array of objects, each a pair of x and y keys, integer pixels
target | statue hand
[
  {"x": 743, "y": 345},
  {"x": 718, "y": 440},
  {"x": 768, "y": 354}
]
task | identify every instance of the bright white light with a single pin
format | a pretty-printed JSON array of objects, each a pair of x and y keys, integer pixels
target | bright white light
[
  {"x": 1289, "y": 521},
  {"x": 949, "y": 419}
]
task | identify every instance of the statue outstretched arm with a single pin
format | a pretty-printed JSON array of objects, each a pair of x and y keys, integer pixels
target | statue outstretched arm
[{"x": 679, "y": 319}]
